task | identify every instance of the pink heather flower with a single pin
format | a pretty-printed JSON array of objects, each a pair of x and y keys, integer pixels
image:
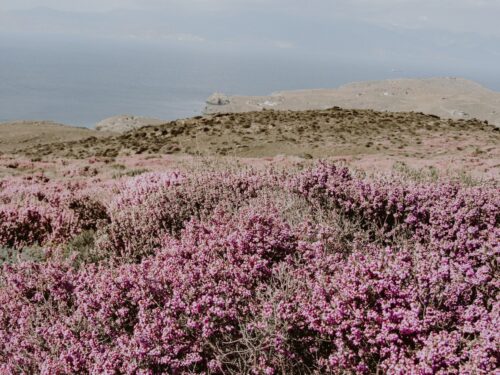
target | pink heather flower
[{"x": 260, "y": 272}]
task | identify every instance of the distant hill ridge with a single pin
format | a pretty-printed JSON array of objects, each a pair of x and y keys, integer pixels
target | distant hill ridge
[{"x": 448, "y": 97}]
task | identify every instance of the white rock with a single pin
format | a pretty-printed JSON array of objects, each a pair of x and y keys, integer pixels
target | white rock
[{"x": 218, "y": 99}]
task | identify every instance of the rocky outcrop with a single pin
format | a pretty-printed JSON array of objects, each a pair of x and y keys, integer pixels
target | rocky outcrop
[
  {"x": 124, "y": 123},
  {"x": 218, "y": 99}
]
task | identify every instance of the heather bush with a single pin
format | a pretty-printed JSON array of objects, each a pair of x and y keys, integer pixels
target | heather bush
[
  {"x": 152, "y": 205},
  {"x": 245, "y": 271},
  {"x": 462, "y": 217},
  {"x": 46, "y": 212}
]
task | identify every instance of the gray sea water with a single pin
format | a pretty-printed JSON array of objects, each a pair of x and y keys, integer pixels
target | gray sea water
[{"x": 80, "y": 82}]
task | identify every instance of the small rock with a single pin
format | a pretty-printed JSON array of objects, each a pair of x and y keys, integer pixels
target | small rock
[
  {"x": 218, "y": 99},
  {"x": 461, "y": 114}
]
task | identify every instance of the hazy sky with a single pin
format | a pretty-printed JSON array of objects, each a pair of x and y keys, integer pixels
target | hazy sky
[
  {"x": 462, "y": 36},
  {"x": 478, "y": 16}
]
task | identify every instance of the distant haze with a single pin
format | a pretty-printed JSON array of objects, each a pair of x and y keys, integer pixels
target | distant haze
[{"x": 81, "y": 61}]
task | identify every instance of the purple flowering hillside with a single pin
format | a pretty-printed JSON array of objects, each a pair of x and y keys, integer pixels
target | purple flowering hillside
[{"x": 316, "y": 270}]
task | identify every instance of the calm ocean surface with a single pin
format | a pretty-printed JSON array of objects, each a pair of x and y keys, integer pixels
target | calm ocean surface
[{"x": 82, "y": 82}]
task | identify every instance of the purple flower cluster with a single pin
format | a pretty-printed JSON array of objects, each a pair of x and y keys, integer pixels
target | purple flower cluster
[
  {"x": 37, "y": 211},
  {"x": 208, "y": 273}
]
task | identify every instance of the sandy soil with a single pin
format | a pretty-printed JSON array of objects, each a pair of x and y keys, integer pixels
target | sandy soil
[
  {"x": 454, "y": 98},
  {"x": 24, "y": 134}
]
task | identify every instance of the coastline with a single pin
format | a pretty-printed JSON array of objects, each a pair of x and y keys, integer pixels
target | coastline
[{"x": 446, "y": 97}]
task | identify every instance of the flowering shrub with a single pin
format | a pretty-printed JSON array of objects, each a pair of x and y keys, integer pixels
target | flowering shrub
[
  {"x": 252, "y": 272},
  {"x": 41, "y": 211},
  {"x": 152, "y": 205},
  {"x": 456, "y": 218}
]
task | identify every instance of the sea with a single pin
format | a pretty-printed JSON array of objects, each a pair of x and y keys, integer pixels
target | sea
[{"x": 78, "y": 81}]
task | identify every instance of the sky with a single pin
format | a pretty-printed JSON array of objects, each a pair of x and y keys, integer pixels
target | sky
[
  {"x": 478, "y": 16},
  {"x": 463, "y": 34}
]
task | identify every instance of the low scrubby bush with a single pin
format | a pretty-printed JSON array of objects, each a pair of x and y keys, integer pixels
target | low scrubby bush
[{"x": 317, "y": 271}]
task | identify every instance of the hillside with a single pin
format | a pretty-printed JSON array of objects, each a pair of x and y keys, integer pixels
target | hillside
[
  {"x": 366, "y": 136},
  {"x": 124, "y": 123},
  {"x": 200, "y": 245},
  {"x": 26, "y": 134}
]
